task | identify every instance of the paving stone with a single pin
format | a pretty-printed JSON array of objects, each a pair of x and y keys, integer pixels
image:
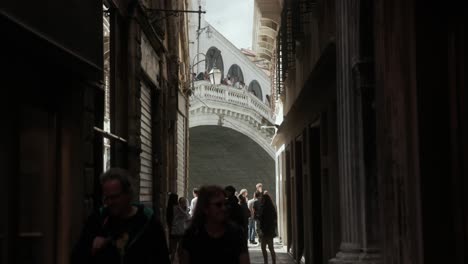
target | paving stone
[{"x": 282, "y": 257}]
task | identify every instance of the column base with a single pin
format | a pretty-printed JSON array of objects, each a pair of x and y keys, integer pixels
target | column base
[{"x": 357, "y": 257}]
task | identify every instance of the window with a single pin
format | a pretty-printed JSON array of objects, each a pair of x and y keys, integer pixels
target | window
[
  {"x": 113, "y": 146},
  {"x": 106, "y": 43},
  {"x": 256, "y": 89},
  {"x": 214, "y": 58},
  {"x": 235, "y": 73}
]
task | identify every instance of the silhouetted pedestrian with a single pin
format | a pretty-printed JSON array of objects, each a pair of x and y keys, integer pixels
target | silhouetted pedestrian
[
  {"x": 268, "y": 227},
  {"x": 179, "y": 223},
  {"x": 211, "y": 238},
  {"x": 252, "y": 219},
  {"x": 171, "y": 202},
  {"x": 121, "y": 232},
  {"x": 193, "y": 203},
  {"x": 245, "y": 213},
  {"x": 233, "y": 208}
]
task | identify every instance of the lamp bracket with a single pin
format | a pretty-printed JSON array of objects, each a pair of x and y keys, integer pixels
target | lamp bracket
[{"x": 172, "y": 12}]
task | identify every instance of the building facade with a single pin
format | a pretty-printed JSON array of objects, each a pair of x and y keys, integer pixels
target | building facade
[
  {"x": 106, "y": 87},
  {"x": 369, "y": 153}
]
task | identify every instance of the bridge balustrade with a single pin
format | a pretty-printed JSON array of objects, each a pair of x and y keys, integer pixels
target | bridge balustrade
[{"x": 230, "y": 95}]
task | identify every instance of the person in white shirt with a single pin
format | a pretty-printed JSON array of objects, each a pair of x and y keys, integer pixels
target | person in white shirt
[
  {"x": 252, "y": 221},
  {"x": 193, "y": 203}
]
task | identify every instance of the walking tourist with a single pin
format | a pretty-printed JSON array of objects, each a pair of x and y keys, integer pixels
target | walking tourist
[
  {"x": 245, "y": 214},
  {"x": 234, "y": 211},
  {"x": 211, "y": 238},
  {"x": 121, "y": 232},
  {"x": 252, "y": 224},
  {"x": 193, "y": 203},
  {"x": 172, "y": 200},
  {"x": 268, "y": 227},
  {"x": 179, "y": 223}
]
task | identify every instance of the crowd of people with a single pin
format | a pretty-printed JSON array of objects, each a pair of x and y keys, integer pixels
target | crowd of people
[
  {"x": 228, "y": 80},
  {"x": 215, "y": 228}
]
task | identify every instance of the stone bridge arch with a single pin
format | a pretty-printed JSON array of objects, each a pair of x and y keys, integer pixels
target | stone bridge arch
[
  {"x": 228, "y": 157},
  {"x": 230, "y": 138}
]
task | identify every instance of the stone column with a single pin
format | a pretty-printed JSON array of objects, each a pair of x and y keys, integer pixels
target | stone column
[{"x": 351, "y": 167}]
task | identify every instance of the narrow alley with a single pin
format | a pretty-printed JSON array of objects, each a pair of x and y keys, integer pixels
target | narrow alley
[{"x": 196, "y": 131}]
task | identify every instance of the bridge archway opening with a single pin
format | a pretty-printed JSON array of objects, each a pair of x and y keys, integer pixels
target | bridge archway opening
[{"x": 222, "y": 156}]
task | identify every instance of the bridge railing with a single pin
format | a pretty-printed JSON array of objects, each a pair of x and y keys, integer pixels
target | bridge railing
[{"x": 231, "y": 95}]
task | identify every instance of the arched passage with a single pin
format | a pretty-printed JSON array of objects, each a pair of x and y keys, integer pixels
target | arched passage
[
  {"x": 223, "y": 156},
  {"x": 256, "y": 89},
  {"x": 214, "y": 58},
  {"x": 235, "y": 72}
]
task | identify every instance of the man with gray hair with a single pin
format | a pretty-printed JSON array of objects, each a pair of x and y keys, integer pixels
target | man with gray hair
[{"x": 121, "y": 232}]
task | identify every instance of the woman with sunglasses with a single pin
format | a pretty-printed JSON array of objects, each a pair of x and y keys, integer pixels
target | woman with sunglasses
[{"x": 211, "y": 238}]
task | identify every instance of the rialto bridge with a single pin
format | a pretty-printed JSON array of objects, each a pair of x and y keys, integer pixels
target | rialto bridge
[{"x": 230, "y": 135}]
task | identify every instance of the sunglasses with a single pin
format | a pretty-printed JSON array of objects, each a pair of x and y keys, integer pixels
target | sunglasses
[
  {"x": 218, "y": 204},
  {"x": 111, "y": 197}
]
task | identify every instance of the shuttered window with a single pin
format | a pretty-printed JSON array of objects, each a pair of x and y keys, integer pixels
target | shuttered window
[
  {"x": 146, "y": 156},
  {"x": 181, "y": 123}
]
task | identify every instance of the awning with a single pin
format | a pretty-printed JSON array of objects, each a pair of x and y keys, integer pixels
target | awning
[{"x": 318, "y": 92}]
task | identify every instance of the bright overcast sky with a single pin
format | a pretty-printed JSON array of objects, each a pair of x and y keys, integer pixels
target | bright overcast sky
[{"x": 233, "y": 18}]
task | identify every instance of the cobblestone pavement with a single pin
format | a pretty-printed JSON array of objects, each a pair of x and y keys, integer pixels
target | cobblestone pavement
[
  {"x": 256, "y": 257},
  {"x": 282, "y": 257}
]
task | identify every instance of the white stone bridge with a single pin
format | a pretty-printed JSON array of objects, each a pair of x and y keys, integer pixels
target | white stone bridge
[{"x": 238, "y": 109}]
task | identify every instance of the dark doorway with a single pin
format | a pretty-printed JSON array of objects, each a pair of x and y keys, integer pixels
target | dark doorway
[{"x": 32, "y": 209}]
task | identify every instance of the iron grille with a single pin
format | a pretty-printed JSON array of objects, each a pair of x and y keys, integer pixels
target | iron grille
[{"x": 279, "y": 66}]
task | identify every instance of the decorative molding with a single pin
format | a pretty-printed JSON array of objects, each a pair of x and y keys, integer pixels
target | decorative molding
[{"x": 233, "y": 108}]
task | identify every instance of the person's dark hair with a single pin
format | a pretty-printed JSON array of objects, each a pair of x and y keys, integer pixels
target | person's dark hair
[
  {"x": 196, "y": 191},
  {"x": 242, "y": 199},
  {"x": 119, "y": 174},
  {"x": 205, "y": 195},
  {"x": 171, "y": 201},
  {"x": 230, "y": 189},
  {"x": 269, "y": 209},
  {"x": 180, "y": 200},
  {"x": 258, "y": 194}
]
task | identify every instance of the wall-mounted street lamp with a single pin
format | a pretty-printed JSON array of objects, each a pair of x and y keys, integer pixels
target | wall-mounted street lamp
[
  {"x": 197, "y": 57},
  {"x": 190, "y": 90},
  {"x": 275, "y": 127},
  {"x": 215, "y": 75}
]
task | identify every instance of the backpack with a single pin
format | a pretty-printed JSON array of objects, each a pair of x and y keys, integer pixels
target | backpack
[{"x": 257, "y": 206}]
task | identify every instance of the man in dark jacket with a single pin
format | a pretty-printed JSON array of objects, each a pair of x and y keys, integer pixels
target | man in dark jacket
[
  {"x": 233, "y": 208},
  {"x": 121, "y": 232}
]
